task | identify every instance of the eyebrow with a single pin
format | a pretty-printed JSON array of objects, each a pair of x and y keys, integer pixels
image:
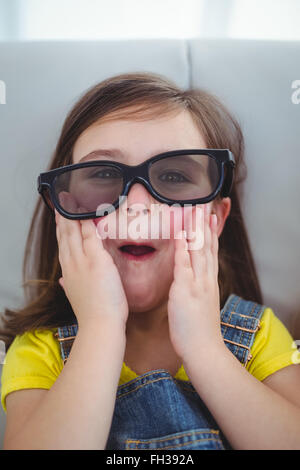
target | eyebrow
[{"x": 115, "y": 153}]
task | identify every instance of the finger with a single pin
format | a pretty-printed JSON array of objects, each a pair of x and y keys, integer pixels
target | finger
[
  {"x": 209, "y": 260},
  {"x": 196, "y": 246},
  {"x": 57, "y": 225},
  {"x": 182, "y": 262},
  {"x": 215, "y": 244},
  {"x": 196, "y": 229},
  {"x": 70, "y": 229},
  {"x": 63, "y": 246},
  {"x": 91, "y": 239}
]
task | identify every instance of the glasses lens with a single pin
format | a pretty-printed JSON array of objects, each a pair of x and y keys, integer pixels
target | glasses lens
[
  {"x": 88, "y": 189},
  {"x": 185, "y": 177}
]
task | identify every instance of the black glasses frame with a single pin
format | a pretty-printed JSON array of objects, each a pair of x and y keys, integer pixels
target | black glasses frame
[{"x": 140, "y": 174}]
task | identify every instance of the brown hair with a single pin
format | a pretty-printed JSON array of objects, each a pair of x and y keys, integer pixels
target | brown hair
[{"x": 135, "y": 95}]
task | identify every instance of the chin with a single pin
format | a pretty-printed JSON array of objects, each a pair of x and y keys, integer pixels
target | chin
[{"x": 140, "y": 300}]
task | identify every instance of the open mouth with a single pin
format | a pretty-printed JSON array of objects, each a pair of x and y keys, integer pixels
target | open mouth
[{"x": 134, "y": 251}]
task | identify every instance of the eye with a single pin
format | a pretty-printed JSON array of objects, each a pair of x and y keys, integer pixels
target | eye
[
  {"x": 173, "y": 177},
  {"x": 106, "y": 174}
]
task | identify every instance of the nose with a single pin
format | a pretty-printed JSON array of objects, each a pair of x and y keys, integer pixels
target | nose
[{"x": 139, "y": 199}]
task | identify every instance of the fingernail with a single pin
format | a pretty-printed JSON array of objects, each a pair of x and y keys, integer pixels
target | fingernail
[
  {"x": 199, "y": 210},
  {"x": 214, "y": 220}
]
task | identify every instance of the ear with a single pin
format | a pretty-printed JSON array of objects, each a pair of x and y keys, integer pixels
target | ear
[
  {"x": 221, "y": 208},
  {"x": 61, "y": 282}
]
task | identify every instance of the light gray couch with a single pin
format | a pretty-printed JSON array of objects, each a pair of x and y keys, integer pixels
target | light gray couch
[{"x": 253, "y": 78}]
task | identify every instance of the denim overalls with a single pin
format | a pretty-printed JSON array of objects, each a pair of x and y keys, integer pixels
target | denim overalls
[{"x": 156, "y": 411}]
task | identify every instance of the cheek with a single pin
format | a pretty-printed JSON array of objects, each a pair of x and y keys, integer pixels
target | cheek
[{"x": 96, "y": 221}]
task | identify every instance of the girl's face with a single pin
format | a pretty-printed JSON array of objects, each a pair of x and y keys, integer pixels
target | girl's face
[{"x": 146, "y": 281}]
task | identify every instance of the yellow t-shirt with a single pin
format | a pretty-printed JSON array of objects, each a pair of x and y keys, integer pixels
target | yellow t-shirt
[{"x": 34, "y": 361}]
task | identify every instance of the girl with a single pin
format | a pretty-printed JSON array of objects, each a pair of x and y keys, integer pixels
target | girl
[{"x": 173, "y": 349}]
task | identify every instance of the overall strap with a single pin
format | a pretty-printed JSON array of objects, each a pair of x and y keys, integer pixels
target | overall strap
[
  {"x": 66, "y": 335},
  {"x": 240, "y": 320}
]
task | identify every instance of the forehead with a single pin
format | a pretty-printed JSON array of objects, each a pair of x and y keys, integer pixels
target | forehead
[{"x": 134, "y": 140}]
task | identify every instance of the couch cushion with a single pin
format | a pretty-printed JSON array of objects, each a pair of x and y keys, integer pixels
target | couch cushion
[
  {"x": 43, "y": 81},
  {"x": 254, "y": 79}
]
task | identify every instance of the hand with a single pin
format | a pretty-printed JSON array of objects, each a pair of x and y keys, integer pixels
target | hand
[
  {"x": 194, "y": 302},
  {"x": 91, "y": 280}
]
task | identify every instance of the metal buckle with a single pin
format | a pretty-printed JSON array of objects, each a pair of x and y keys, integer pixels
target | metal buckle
[
  {"x": 65, "y": 339},
  {"x": 249, "y": 356},
  {"x": 241, "y": 328}
]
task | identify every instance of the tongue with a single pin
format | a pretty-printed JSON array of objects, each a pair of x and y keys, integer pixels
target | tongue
[{"x": 137, "y": 250}]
